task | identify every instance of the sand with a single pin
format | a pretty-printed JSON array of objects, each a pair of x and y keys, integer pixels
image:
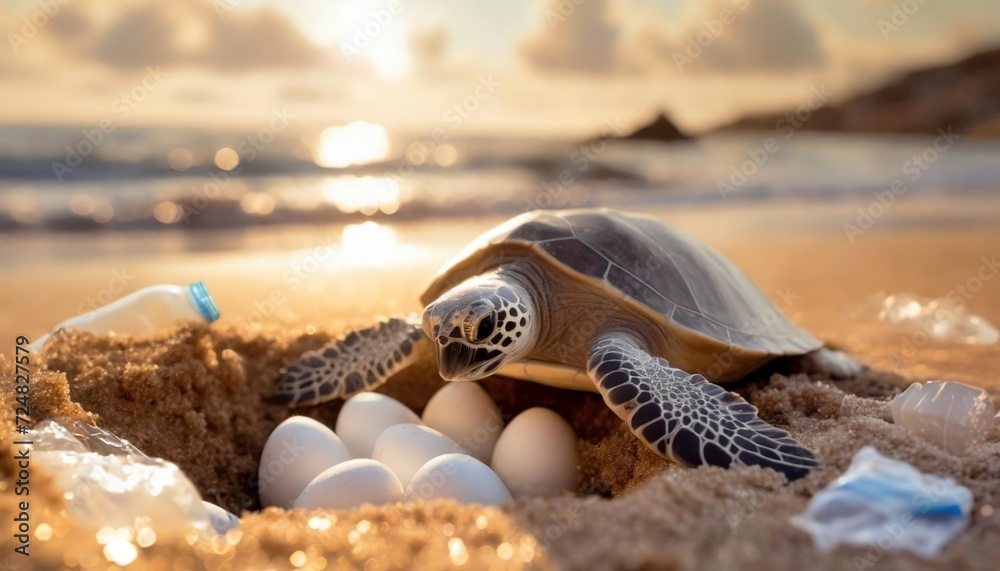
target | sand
[{"x": 196, "y": 395}]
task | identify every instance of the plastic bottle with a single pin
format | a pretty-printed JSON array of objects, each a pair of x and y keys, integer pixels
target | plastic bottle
[
  {"x": 955, "y": 416},
  {"x": 144, "y": 311}
]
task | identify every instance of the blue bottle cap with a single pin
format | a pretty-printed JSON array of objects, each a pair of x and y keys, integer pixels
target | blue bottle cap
[{"x": 203, "y": 301}]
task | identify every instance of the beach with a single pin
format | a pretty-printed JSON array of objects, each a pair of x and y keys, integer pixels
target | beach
[
  {"x": 295, "y": 280},
  {"x": 208, "y": 210},
  {"x": 196, "y": 395}
]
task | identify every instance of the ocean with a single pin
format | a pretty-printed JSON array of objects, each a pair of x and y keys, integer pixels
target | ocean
[{"x": 161, "y": 181}]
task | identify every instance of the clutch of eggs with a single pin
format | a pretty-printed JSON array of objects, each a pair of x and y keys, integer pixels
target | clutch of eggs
[{"x": 382, "y": 452}]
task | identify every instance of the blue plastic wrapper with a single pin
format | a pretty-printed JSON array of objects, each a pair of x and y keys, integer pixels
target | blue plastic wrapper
[{"x": 889, "y": 505}]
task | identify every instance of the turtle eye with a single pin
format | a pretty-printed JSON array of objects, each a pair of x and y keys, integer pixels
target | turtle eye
[{"x": 484, "y": 329}]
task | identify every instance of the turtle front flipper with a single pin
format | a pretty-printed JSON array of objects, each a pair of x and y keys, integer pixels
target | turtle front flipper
[
  {"x": 356, "y": 362},
  {"x": 686, "y": 418}
]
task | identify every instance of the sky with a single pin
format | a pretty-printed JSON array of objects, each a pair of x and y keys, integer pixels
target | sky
[{"x": 547, "y": 68}]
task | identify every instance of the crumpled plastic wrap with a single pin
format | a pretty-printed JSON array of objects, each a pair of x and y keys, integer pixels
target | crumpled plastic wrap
[
  {"x": 942, "y": 319},
  {"x": 889, "y": 504},
  {"x": 109, "y": 482}
]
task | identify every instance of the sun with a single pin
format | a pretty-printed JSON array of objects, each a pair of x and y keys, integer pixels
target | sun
[
  {"x": 391, "y": 60},
  {"x": 379, "y": 37}
]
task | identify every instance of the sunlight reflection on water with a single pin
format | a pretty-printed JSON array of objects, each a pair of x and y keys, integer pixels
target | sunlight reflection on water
[
  {"x": 367, "y": 194},
  {"x": 356, "y": 143},
  {"x": 371, "y": 244}
]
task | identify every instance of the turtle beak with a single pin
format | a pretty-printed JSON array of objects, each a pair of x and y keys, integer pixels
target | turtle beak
[
  {"x": 453, "y": 360},
  {"x": 460, "y": 362}
]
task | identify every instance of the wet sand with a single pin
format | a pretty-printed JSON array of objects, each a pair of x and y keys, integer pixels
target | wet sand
[{"x": 195, "y": 395}]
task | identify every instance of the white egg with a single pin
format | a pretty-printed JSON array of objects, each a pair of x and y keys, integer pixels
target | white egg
[
  {"x": 351, "y": 484},
  {"x": 365, "y": 416},
  {"x": 405, "y": 448},
  {"x": 459, "y": 477},
  {"x": 296, "y": 451},
  {"x": 537, "y": 454},
  {"x": 464, "y": 412},
  {"x": 222, "y": 521}
]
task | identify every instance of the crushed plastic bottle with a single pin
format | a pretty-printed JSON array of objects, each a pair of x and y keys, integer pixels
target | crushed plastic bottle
[
  {"x": 941, "y": 319},
  {"x": 954, "y": 415},
  {"x": 144, "y": 311},
  {"x": 109, "y": 482},
  {"x": 888, "y": 503}
]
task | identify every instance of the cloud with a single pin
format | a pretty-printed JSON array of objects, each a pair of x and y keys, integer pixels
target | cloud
[
  {"x": 71, "y": 23},
  {"x": 724, "y": 36},
  {"x": 260, "y": 38},
  {"x": 770, "y": 36},
  {"x": 576, "y": 38},
  {"x": 190, "y": 33},
  {"x": 143, "y": 36},
  {"x": 428, "y": 48},
  {"x": 312, "y": 93}
]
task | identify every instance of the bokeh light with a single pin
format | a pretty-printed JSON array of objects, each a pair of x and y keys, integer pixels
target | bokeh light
[
  {"x": 167, "y": 212},
  {"x": 257, "y": 203},
  {"x": 82, "y": 205},
  {"x": 227, "y": 159},
  {"x": 23, "y": 208},
  {"x": 103, "y": 213},
  {"x": 181, "y": 159},
  {"x": 445, "y": 154}
]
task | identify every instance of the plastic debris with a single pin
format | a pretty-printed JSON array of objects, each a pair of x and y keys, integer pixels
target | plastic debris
[
  {"x": 941, "y": 319},
  {"x": 222, "y": 520},
  {"x": 77, "y": 436},
  {"x": 888, "y": 503},
  {"x": 954, "y": 415},
  {"x": 144, "y": 311},
  {"x": 109, "y": 482}
]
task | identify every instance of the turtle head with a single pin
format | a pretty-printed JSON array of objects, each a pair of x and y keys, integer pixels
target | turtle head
[{"x": 479, "y": 326}]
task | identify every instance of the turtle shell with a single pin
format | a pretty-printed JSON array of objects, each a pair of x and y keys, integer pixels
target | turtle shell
[{"x": 640, "y": 261}]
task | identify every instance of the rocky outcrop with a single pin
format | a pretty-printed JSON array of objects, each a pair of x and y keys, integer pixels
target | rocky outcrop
[
  {"x": 963, "y": 96},
  {"x": 660, "y": 129}
]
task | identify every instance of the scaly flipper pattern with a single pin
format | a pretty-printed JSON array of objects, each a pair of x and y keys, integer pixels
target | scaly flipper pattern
[
  {"x": 358, "y": 361},
  {"x": 686, "y": 418}
]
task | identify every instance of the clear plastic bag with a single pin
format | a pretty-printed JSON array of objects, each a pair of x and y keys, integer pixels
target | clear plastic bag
[
  {"x": 941, "y": 319},
  {"x": 109, "y": 482},
  {"x": 888, "y": 504}
]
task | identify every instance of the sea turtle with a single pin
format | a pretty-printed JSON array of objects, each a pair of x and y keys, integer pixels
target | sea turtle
[{"x": 596, "y": 300}]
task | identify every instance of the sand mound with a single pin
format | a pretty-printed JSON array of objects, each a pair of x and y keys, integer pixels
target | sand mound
[{"x": 197, "y": 397}]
